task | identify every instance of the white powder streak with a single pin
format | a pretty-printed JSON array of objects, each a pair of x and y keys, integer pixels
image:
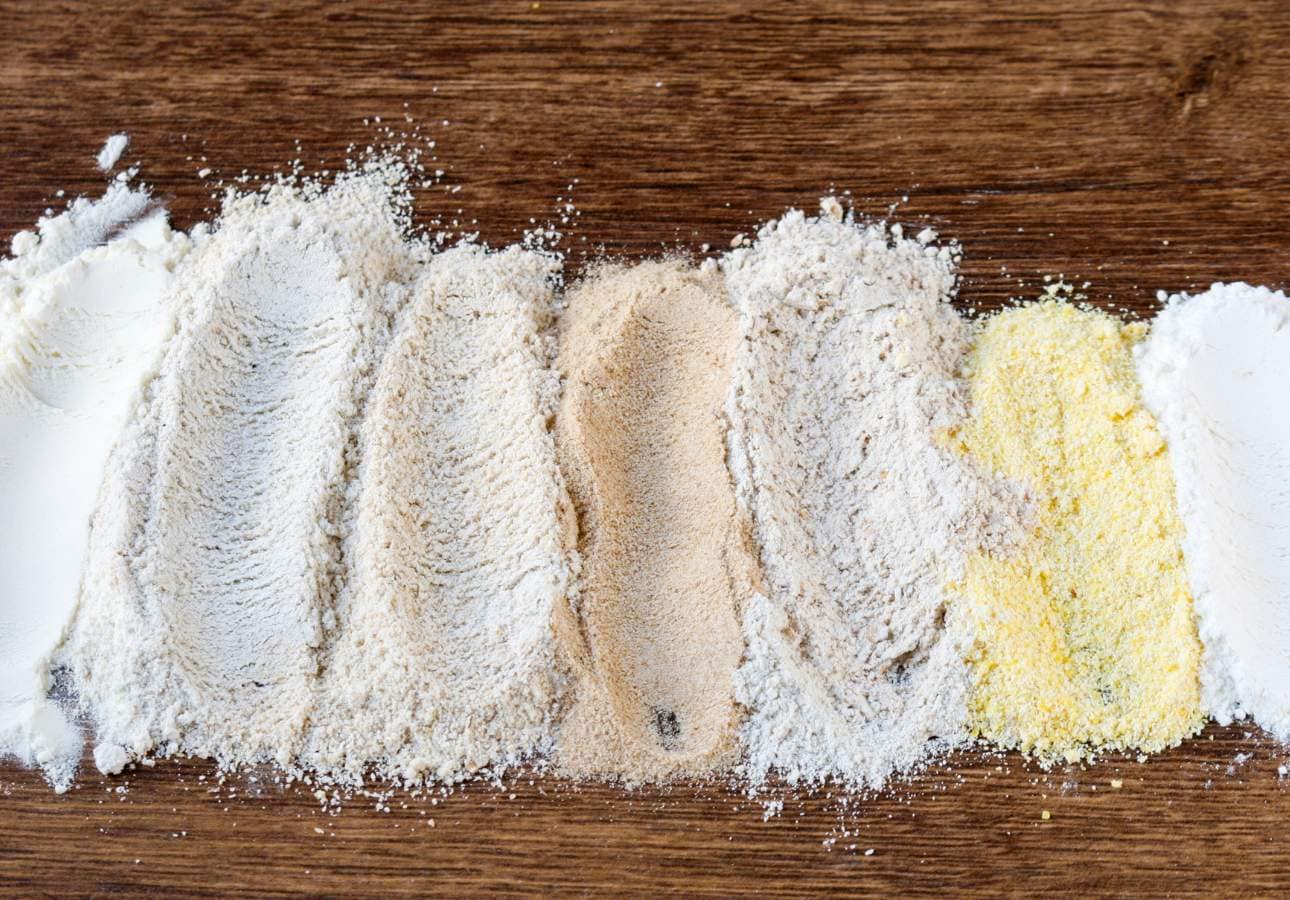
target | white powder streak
[
  {"x": 83, "y": 327},
  {"x": 1216, "y": 374},
  {"x": 111, "y": 151}
]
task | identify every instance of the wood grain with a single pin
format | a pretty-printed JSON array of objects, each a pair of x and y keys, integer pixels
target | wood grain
[{"x": 1135, "y": 146}]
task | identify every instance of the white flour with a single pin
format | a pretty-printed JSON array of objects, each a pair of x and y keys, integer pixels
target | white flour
[
  {"x": 1216, "y": 374},
  {"x": 216, "y": 548},
  {"x": 111, "y": 151},
  {"x": 82, "y": 327},
  {"x": 844, "y": 381},
  {"x": 443, "y": 659}
]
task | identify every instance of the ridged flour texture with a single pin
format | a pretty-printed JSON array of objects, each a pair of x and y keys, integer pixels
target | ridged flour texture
[
  {"x": 216, "y": 550},
  {"x": 844, "y": 390},
  {"x": 442, "y": 661}
]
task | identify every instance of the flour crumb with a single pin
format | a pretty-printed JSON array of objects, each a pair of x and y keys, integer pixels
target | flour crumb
[{"x": 111, "y": 151}]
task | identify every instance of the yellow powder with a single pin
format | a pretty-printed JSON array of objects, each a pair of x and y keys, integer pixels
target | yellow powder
[{"x": 1085, "y": 637}]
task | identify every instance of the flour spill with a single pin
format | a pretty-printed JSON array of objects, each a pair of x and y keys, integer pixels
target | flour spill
[{"x": 307, "y": 487}]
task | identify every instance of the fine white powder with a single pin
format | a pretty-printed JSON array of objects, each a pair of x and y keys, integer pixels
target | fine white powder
[
  {"x": 215, "y": 552},
  {"x": 111, "y": 151},
  {"x": 845, "y": 383},
  {"x": 443, "y": 660},
  {"x": 82, "y": 326},
  {"x": 1215, "y": 372}
]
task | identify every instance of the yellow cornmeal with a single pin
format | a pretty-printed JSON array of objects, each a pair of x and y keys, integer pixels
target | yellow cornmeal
[{"x": 1085, "y": 637}]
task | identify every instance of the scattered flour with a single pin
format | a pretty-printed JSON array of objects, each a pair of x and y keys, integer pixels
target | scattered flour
[
  {"x": 82, "y": 325},
  {"x": 442, "y": 661},
  {"x": 844, "y": 385},
  {"x": 1216, "y": 373},
  {"x": 112, "y": 149},
  {"x": 216, "y": 548},
  {"x": 646, "y": 355}
]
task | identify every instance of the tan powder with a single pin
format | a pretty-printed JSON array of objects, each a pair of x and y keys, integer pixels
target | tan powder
[{"x": 654, "y": 637}]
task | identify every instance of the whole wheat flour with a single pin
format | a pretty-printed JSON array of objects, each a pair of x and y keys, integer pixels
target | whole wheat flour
[
  {"x": 654, "y": 640},
  {"x": 216, "y": 546},
  {"x": 86, "y": 310},
  {"x": 1085, "y": 637},
  {"x": 1216, "y": 373},
  {"x": 442, "y": 661},
  {"x": 844, "y": 384}
]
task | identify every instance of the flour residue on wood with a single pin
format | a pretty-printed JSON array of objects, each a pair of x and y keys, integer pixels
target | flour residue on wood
[{"x": 653, "y": 639}]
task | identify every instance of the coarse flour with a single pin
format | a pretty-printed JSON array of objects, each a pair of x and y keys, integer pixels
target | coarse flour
[{"x": 844, "y": 386}]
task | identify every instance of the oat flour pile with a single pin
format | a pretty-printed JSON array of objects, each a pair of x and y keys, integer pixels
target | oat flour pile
[
  {"x": 1085, "y": 637},
  {"x": 844, "y": 386},
  {"x": 1216, "y": 373},
  {"x": 85, "y": 309},
  {"x": 653, "y": 639}
]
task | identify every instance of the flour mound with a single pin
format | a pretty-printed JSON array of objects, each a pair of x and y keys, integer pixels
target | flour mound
[
  {"x": 646, "y": 356},
  {"x": 443, "y": 660},
  {"x": 1215, "y": 372},
  {"x": 84, "y": 313},
  {"x": 216, "y": 547},
  {"x": 845, "y": 382}
]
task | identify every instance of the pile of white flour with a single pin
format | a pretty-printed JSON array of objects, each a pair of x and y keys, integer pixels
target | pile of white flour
[
  {"x": 1215, "y": 372},
  {"x": 844, "y": 384},
  {"x": 85, "y": 310}
]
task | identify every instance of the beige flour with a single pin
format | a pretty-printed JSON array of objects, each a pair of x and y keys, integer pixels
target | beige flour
[
  {"x": 215, "y": 549},
  {"x": 646, "y": 355},
  {"x": 844, "y": 388},
  {"x": 443, "y": 660}
]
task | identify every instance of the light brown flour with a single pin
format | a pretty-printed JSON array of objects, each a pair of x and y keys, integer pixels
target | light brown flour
[{"x": 654, "y": 639}]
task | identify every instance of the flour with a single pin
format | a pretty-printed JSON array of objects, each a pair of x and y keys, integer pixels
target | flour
[
  {"x": 844, "y": 385},
  {"x": 1085, "y": 637},
  {"x": 83, "y": 324},
  {"x": 646, "y": 354},
  {"x": 442, "y": 657},
  {"x": 215, "y": 552},
  {"x": 1216, "y": 373},
  {"x": 111, "y": 151}
]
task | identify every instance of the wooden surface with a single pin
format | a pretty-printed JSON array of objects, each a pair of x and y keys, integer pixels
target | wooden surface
[{"x": 1138, "y": 147}]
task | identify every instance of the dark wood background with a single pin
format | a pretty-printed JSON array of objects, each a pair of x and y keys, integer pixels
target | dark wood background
[{"x": 1135, "y": 146}]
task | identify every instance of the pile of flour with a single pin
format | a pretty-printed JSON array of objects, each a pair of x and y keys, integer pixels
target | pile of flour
[
  {"x": 86, "y": 310},
  {"x": 1215, "y": 371},
  {"x": 844, "y": 386},
  {"x": 646, "y": 355},
  {"x": 215, "y": 553},
  {"x": 442, "y": 659}
]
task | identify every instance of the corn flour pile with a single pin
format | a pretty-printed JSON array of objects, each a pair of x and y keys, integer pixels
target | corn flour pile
[
  {"x": 1216, "y": 373},
  {"x": 1085, "y": 637},
  {"x": 653, "y": 641},
  {"x": 844, "y": 386},
  {"x": 85, "y": 309}
]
